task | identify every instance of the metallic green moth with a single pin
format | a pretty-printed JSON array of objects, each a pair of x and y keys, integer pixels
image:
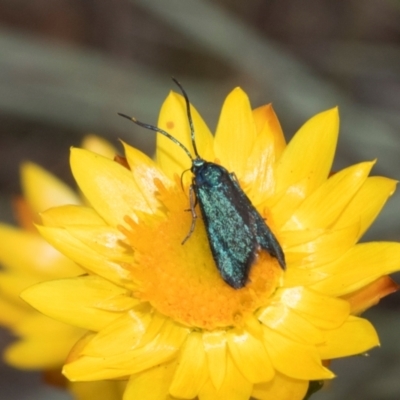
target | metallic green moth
[{"x": 235, "y": 230}]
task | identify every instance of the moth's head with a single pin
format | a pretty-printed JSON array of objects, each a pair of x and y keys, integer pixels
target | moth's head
[{"x": 197, "y": 163}]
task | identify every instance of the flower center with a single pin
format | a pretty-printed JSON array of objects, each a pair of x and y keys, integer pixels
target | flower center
[{"x": 182, "y": 281}]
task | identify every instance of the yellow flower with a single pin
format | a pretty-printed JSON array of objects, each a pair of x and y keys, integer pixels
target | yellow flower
[
  {"x": 43, "y": 343},
  {"x": 27, "y": 259},
  {"x": 158, "y": 312}
]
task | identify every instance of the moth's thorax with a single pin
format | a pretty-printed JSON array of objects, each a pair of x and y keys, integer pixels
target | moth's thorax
[{"x": 207, "y": 173}]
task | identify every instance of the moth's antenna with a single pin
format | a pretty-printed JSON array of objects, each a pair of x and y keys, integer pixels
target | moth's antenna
[
  {"x": 159, "y": 130},
  {"x": 189, "y": 115}
]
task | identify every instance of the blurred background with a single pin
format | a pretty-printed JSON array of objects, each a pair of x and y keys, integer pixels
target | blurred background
[{"x": 68, "y": 66}]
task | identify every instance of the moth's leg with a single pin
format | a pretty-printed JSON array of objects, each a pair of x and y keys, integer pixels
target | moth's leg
[
  {"x": 183, "y": 173},
  {"x": 193, "y": 203}
]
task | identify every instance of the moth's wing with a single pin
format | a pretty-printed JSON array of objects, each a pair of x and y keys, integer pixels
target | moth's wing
[
  {"x": 267, "y": 240},
  {"x": 263, "y": 234},
  {"x": 231, "y": 235}
]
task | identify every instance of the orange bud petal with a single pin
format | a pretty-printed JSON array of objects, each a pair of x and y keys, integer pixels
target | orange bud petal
[{"x": 370, "y": 295}]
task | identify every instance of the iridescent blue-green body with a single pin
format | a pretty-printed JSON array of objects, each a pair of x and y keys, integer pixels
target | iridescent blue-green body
[{"x": 235, "y": 229}]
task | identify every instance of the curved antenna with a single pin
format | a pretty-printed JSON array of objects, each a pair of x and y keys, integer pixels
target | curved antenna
[
  {"x": 189, "y": 115},
  {"x": 159, "y": 130}
]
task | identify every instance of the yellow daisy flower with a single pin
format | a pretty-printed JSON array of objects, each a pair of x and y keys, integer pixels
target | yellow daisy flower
[
  {"x": 42, "y": 342},
  {"x": 158, "y": 313},
  {"x": 27, "y": 259}
]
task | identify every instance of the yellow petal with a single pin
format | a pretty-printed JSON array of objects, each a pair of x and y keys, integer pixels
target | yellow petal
[
  {"x": 37, "y": 325},
  {"x": 86, "y": 257},
  {"x": 17, "y": 247},
  {"x": 296, "y": 360},
  {"x": 144, "y": 171},
  {"x": 286, "y": 321},
  {"x": 152, "y": 384},
  {"x": 236, "y": 133},
  {"x": 266, "y": 121},
  {"x": 173, "y": 119},
  {"x": 128, "y": 331},
  {"x": 12, "y": 284},
  {"x": 11, "y": 314},
  {"x": 71, "y": 215},
  {"x": 367, "y": 203},
  {"x": 191, "y": 372},
  {"x": 360, "y": 266},
  {"x": 303, "y": 276},
  {"x": 323, "y": 207},
  {"x": 259, "y": 175},
  {"x": 98, "y": 145},
  {"x": 108, "y": 186},
  {"x": 235, "y": 386},
  {"x": 43, "y": 190},
  {"x": 215, "y": 348},
  {"x": 74, "y": 301},
  {"x": 105, "y": 240},
  {"x": 93, "y": 369},
  {"x": 355, "y": 336},
  {"x": 76, "y": 349},
  {"x": 250, "y": 356},
  {"x": 162, "y": 348},
  {"x": 291, "y": 239},
  {"x": 308, "y": 156},
  {"x": 325, "y": 248},
  {"x": 45, "y": 343},
  {"x": 371, "y": 294},
  {"x": 322, "y": 311},
  {"x": 281, "y": 387},
  {"x": 158, "y": 351},
  {"x": 285, "y": 202},
  {"x": 35, "y": 354}
]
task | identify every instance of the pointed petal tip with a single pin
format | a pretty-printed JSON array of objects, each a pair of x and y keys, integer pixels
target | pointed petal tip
[
  {"x": 173, "y": 95},
  {"x": 331, "y": 112},
  {"x": 30, "y": 170},
  {"x": 238, "y": 94},
  {"x": 238, "y": 89},
  {"x": 98, "y": 145},
  {"x": 26, "y": 166},
  {"x": 26, "y": 294}
]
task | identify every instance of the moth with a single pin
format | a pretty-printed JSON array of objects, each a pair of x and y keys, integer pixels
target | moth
[{"x": 235, "y": 230}]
